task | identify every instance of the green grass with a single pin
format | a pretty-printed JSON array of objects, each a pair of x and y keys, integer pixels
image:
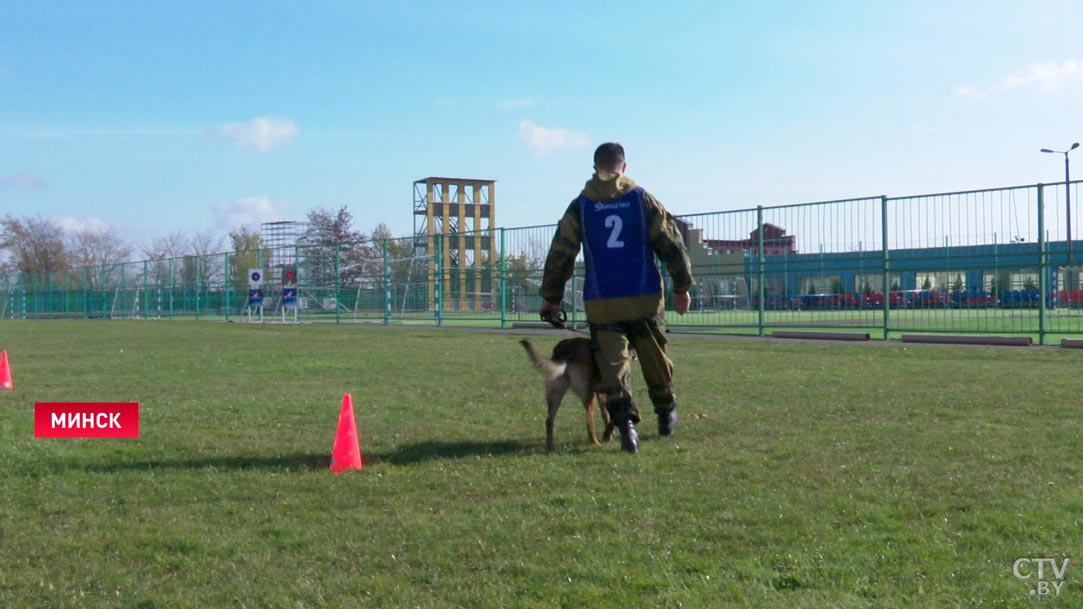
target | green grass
[{"x": 809, "y": 476}]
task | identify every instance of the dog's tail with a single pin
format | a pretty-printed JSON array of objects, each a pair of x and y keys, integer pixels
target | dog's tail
[{"x": 546, "y": 366}]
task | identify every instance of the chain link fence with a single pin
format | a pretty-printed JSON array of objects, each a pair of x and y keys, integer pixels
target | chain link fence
[{"x": 995, "y": 261}]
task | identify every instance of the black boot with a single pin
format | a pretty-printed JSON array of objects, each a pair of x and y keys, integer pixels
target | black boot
[
  {"x": 629, "y": 438},
  {"x": 667, "y": 419},
  {"x": 625, "y": 415}
]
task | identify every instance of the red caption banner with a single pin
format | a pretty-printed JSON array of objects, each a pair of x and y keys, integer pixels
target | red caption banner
[{"x": 86, "y": 420}]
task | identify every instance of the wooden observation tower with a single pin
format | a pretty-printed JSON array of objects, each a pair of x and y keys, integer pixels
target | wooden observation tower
[{"x": 453, "y": 221}]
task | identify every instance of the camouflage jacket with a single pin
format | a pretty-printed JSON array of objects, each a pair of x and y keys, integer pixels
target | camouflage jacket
[{"x": 665, "y": 238}]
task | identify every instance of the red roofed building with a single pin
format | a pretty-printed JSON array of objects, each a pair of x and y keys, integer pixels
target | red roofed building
[{"x": 775, "y": 241}]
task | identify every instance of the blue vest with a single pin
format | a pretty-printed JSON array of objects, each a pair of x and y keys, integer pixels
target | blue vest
[{"x": 617, "y": 248}]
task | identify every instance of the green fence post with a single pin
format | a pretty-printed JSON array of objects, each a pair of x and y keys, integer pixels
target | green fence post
[
  {"x": 199, "y": 286},
  {"x": 761, "y": 273},
  {"x": 438, "y": 290},
  {"x": 86, "y": 307},
  {"x": 503, "y": 281},
  {"x": 886, "y": 265},
  {"x": 387, "y": 283},
  {"x": 228, "y": 287},
  {"x": 146, "y": 286},
  {"x": 338, "y": 252},
  {"x": 121, "y": 289},
  {"x": 1043, "y": 260},
  {"x": 104, "y": 298},
  {"x": 172, "y": 287},
  {"x": 575, "y": 308},
  {"x": 297, "y": 282}
]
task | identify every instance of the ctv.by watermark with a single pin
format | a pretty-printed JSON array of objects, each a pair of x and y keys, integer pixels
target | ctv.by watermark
[{"x": 1046, "y": 576}]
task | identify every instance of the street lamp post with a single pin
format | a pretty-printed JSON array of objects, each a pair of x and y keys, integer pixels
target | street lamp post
[{"x": 1067, "y": 206}]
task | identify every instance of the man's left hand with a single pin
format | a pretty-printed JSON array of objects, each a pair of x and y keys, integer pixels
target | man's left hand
[
  {"x": 553, "y": 308},
  {"x": 681, "y": 302}
]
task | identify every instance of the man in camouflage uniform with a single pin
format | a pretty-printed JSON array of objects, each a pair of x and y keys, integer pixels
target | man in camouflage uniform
[{"x": 621, "y": 228}]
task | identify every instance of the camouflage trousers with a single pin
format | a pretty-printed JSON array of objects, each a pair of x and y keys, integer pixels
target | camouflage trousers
[{"x": 616, "y": 345}]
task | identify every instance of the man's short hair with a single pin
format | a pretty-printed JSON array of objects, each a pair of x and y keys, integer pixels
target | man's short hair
[{"x": 609, "y": 156}]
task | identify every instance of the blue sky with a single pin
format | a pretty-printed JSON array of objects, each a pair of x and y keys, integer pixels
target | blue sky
[{"x": 155, "y": 117}]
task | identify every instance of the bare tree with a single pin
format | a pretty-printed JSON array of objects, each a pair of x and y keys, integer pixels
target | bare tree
[
  {"x": 205, "y": 243},
  {"x": 162, "y": 252},
  {"x": 97, "y": 248},
  {"x": 173, "y": 245},
  {"x": 101, "y": 250},
  {"x": 199, "y": 267}
]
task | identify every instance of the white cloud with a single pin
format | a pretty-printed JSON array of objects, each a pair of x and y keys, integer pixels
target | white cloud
[
  {"x": 545, "y": 140},
  {"x": 26, "y": 181},
  {"x": 81, "y": 225},
  {"x": 1045, "y": 77},
  {"x": 248, "y": 211},
  {"x": 263, "y": 133}
]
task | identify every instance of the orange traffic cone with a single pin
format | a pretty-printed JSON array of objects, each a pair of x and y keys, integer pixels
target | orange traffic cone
[
  {"x": 5, "y": 372},
  {"x": 346, "y": 453}
]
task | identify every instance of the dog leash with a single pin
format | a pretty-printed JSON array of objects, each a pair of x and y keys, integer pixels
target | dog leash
[{"x": 558, "y": 321}]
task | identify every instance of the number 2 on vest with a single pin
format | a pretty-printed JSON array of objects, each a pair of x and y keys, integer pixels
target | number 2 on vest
[{"x": 616, "y": 224}]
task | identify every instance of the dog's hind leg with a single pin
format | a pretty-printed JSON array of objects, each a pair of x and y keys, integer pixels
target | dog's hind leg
[
  {"x": 588, "y": 404},
  {"x": 607, "y": 435},
  {"x": 553, "y": 396}
]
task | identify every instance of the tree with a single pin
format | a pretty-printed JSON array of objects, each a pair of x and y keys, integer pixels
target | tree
[
  {"x": 331, "y": 233},
  {"x": 33, "y": 245},
  {"x": 205, "y": 245},
  {"x": 198, "y": 269},
  {"x": 523, "y": 278},
  {"x": 400, "y": 252},
  {"x": 173, "y": 245},
  {"x": 248, "y": 253},
  {"x": 329, "y": 227},
  {"x": 161, "y": 252},
  {"x": 103, "y": 250},
  {"x": 927, "y": 284}
]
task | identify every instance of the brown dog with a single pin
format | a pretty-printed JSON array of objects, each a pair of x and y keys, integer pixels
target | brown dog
[{"x": 572, "y": 367}]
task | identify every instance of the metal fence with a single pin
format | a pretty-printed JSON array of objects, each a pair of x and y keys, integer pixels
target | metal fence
[{"x": 995, "y": 261}]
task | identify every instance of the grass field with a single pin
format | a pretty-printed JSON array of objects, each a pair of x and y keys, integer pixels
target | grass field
[{"x": 811, "y": 475}]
